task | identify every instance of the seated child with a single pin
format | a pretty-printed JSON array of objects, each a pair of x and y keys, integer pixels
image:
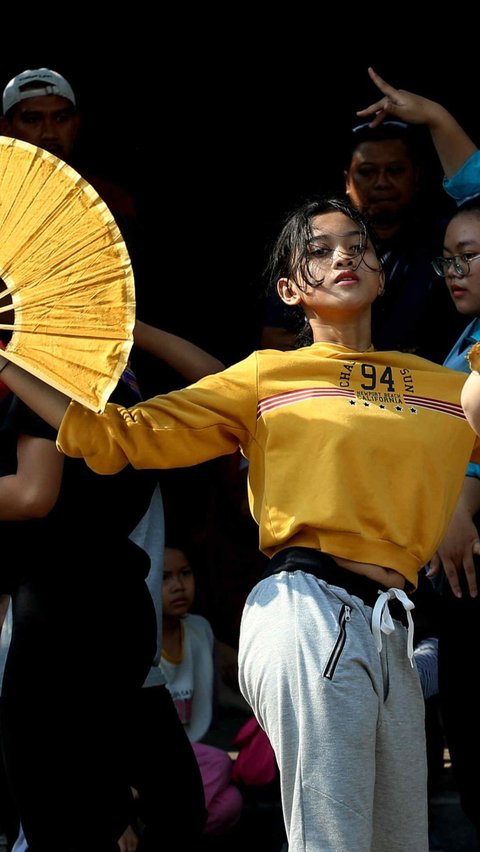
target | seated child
[{"x": 188, "y": 664}]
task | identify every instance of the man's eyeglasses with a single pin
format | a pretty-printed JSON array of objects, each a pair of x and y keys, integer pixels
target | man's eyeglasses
[{"x": 459, "y": 262}]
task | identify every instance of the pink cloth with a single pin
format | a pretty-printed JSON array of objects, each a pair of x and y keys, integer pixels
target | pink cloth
[
  {"x": 222, "y": 798},
  {"x": 255, "y": 765}
]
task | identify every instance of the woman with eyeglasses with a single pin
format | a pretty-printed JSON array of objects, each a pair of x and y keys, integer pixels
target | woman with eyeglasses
[
  {"x": 459, "y": 639},
  {"x": 340, "y": 441},
  {"x": 459, "y": 552}
]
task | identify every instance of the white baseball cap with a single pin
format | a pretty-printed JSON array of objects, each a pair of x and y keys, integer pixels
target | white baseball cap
[{"x": 33, "y": 84}]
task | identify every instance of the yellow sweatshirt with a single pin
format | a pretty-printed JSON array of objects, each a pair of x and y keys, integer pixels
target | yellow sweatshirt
[{"x": 359, "y": 454}]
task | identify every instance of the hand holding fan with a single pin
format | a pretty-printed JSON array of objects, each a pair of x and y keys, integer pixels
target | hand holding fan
[{"x": 67, "y": 276}]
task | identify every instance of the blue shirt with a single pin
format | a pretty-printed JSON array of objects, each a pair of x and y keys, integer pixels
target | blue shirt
[{"x": 465, "y": 183}]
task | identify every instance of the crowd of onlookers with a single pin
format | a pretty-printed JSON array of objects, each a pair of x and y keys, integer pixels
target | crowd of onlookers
[{"x": 86, "y": 707}]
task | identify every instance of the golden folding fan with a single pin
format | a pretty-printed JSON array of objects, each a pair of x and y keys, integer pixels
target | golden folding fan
[{"x": 66, "y": 273}]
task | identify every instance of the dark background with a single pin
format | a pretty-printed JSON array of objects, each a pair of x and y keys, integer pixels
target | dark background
[{"x": 218, "y": 127}]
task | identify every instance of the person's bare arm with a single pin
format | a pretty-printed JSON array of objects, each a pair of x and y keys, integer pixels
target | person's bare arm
[
  {"x": 185, "y": 357},
  {"x": 49, "y": 403},
  {"x": 470, "y": 399},
  {"x": 453, "y": 145},
  {"x": 129, "y": 840},
  {"x": 33, "y": 490},
  {"x": 4, "y": 602},
  {"x": 461, "y": 542}
]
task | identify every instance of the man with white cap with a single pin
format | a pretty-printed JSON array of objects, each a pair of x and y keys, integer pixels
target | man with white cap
[{"x": 39, "y": 106}]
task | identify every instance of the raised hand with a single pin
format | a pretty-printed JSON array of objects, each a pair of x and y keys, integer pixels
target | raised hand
[{"x": 399, "y": 104}]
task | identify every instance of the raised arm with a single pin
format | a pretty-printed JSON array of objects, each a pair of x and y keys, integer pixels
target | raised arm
[
  {"x": 453, "y": 145},
  {"x": 183, "y": 356}
]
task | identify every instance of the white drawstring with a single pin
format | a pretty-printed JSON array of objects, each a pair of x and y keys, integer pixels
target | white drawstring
[{"x": 382, "y": 621}]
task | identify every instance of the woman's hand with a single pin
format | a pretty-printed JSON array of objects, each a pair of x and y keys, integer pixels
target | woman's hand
[
  {"x": 456, "y": 554},
  {"x": 400, "y": 104},
  {"x": 460, "y": 543}
]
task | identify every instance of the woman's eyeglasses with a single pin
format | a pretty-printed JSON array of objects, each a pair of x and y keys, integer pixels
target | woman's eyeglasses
[{"x": 459, "y": 262}]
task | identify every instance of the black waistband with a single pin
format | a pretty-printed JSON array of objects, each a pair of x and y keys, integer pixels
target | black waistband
[{"x": 324, "y": 566}]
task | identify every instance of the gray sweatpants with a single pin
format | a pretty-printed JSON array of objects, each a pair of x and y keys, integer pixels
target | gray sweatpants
[{"x": 346, "y": 721}]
